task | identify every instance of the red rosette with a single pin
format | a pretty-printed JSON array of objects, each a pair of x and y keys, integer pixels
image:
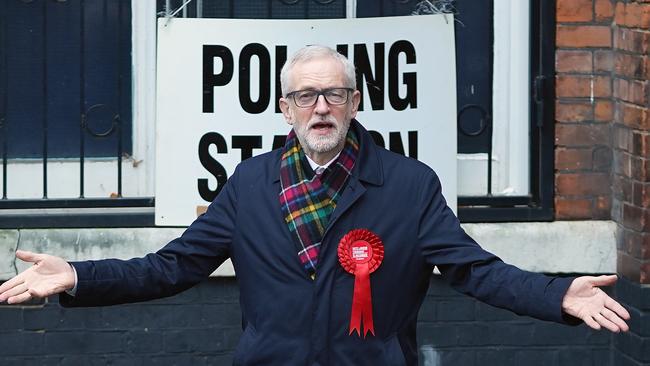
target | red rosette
[{"x": 361, "y": 253}]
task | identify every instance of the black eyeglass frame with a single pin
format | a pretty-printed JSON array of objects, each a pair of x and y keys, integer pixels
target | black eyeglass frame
[{"x": 322, "y": 92}]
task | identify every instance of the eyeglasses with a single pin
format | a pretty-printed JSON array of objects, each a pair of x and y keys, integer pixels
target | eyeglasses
[{"x": 307, "y": 98}]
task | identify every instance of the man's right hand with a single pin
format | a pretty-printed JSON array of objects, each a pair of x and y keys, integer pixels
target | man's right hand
[{"x": 48, "y": 276}]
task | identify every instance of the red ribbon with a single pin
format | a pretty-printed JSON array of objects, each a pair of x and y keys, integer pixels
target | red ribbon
[
  {"x": 362, "y": 301},
  {"x": 360, "y": 253}
]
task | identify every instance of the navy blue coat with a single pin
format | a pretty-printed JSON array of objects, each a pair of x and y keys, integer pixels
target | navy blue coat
[{"x": 290, "y": 319}]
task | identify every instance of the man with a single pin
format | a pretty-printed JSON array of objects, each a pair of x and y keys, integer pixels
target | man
[{"x": 333, "y": 240}]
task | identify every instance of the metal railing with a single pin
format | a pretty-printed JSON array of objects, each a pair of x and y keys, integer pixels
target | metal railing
[{"x": 80, "y": 209}]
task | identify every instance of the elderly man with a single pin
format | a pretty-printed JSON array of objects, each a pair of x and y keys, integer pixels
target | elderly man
[{"x": 333, "y": 240}]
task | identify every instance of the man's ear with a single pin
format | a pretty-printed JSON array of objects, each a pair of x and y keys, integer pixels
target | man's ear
[
  {"x": 286, "y": 112},
  {"x": 356, "y": 98}
]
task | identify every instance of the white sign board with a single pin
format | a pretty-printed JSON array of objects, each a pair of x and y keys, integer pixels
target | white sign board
[{"x": 218, "y": 90}]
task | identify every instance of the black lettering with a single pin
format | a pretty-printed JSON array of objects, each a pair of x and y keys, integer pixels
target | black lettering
[
  {"x": 210, "y": 80},
  {"x": 377, "y": 138},
  {"x": 250, "y": 50},
  {"x": 410, "y": 78},
  {"x": 280, "y": 59},
  {"x": 395, "y": 143},
  {"x": 413, "y": 144},
  {"x": 279, "y": 141},
  {"x": 211, "y": 165},
  {"x": 342, "y": 49},
  {"x": 374, "y": 83},
  {"x": 246, "y": 144}
]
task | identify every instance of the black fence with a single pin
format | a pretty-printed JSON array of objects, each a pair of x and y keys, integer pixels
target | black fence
[{"x": 65, "y": 96}]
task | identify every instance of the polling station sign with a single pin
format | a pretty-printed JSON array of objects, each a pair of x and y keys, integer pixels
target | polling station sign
[{"x": 218, "y": 85}]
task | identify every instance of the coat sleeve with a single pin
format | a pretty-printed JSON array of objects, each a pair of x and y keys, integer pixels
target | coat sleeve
[
  {"x": 480, "y": 274},
  {"x": 180, "y": 264}
]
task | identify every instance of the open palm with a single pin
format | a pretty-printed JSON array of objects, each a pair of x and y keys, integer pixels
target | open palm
[
  {"x": 49, "y": 275},
  {"x": 585, "y": 300}
]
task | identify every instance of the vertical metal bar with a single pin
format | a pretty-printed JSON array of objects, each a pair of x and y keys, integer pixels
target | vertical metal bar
[
  {"x": 82, "y": 101},
  {"x": 489, "y": 162},
  {"x": 118, "y": 119},
  {"x": 3, "y": 121},
  {"x": 45, "y": 99},
  {"x": 168, "y": 5},
  {"x": 199, "y": 9}
]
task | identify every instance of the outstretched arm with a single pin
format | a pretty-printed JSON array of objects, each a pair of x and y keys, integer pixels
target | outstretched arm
[
  {"x": 48, "y": 276},
  {"x": 585, "y": 300}
]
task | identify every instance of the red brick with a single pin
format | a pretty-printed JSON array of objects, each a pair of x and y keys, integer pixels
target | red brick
[
  {"x": 640, "y": 168},
  {"x": 622, "y": 188},
  {"x": 573, "y": 86},
  {"x": 581, "y": 135},
  {"x": 574, "y": 10},
  {"x": 640, "y": 194},
  {"x": 619, "y": 13},
  {"x": 636, "y": 15},
  {"x": 622, "y": 163},
  {"x": 635, "y": 243},
  {"x": 573, "y": 159},
  {"x": 631, "y": 66},
  {"x": 582, "y": 184},
  {"x": 633, "y": 91},
  {"x": 602, "y": 86},
  {"x": 632, "y": 40},
  {"x": 640, "y": 143},
  {"x": 636, "y": 218},
  {"x": 604, "y": 10},
  {"x": 644, "y": 276},
  {"x": 583, "y": 36},
  {"x": 573, "y": 61},
  {"x": 603, "y": 110},
  {"x": 574, "y": 112},
  {"x": 568, "y": 208},
  {"x": 585, "y": 86},
  {"x": 603, "y": 61},
  {"x": 602, "y": 208},
  {"x": 622, "y": 137},
  {"x": 632, "y": 115},
  {"x": 601, "y": 157}
]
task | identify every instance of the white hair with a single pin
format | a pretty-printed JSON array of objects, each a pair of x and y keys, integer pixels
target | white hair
[{"x": 313, "y": 52}]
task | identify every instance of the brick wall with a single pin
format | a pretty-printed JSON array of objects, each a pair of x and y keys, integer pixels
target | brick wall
[
  {"x": 603, "y": 141},
  {"x": 631, "y": 172},
  {"x": 631, "y": 138},
  {"x": 584, "y": 109},
  {"x": 202, "y": 325}
]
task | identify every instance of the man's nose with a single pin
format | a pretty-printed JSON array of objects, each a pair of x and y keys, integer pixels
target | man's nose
[{"x": 322, "y": 107}]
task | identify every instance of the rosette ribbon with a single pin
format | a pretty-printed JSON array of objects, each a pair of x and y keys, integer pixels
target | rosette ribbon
[{"x": 360, "y": 253}]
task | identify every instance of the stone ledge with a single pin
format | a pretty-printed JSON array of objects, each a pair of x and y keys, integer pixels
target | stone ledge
[{"x": 553, "y": 247}]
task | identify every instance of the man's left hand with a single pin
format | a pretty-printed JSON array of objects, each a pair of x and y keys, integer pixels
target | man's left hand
[{"x": 585, "y": 300}]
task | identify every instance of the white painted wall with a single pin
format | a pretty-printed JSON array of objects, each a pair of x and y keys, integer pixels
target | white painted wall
[{"x": 558, "y": 247}]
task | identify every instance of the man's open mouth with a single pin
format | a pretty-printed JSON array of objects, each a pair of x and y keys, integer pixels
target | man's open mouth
[{"x": 322, "y": 126}]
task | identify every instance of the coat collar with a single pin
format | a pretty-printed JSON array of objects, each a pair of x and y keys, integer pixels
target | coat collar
[{"x": 368, "y": 166}]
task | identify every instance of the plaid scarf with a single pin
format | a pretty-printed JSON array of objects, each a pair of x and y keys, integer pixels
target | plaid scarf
[{"x": 307, "y": 199}]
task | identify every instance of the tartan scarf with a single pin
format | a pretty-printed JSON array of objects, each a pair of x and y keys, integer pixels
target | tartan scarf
[{"x": 307, "y": 199}]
